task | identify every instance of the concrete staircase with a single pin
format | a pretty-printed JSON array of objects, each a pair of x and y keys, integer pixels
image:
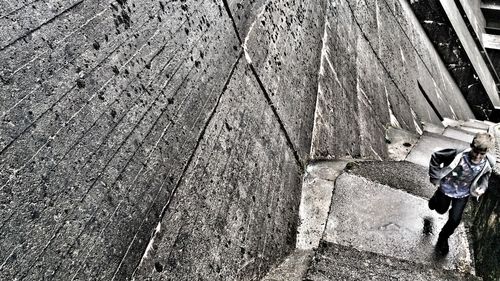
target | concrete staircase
[{"x": 369, "y": 220}]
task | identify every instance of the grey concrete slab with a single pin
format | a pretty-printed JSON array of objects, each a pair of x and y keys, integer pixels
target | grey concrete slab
[
  {"x": 459, "y": 134},
  {"x": 376, "y": 218},
  {"x": 421, "y": 153},
  {"x": 317, "y": 190},
  {"x": 293, "y": 268},
  {"x": 337, "y": 262}
]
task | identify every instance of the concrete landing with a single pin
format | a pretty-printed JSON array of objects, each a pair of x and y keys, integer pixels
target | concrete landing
[
  {"x": 376, "y": 218},
  {"x": 337, "y": 262},
  {"x": 428, "y": 143}
]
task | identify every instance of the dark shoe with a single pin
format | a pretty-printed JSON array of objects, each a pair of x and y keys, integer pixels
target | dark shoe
[
  {"x": 431, "y": 205},
  {"x": 427, "y": 226},
  {"x": 442, "y": 246}
]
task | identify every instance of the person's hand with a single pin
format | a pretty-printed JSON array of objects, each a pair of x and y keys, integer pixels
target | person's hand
[
  {"x": 477, "y": 193},
  {"x": 434, "y": 182}
]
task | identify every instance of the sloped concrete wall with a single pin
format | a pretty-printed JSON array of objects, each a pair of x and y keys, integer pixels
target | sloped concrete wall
[
  {"x": 128, "y": 124},
  {"x": 377, "y": 69}
]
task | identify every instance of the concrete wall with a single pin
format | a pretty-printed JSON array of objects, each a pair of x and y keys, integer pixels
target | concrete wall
[
  {"x": 374, "y": 58},
  {"x": 167, "y": 140},
  {"x": 486, "y": 231},
  {"x": 121, "y": 118}
]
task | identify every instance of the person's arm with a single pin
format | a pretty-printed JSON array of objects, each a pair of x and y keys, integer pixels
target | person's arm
[
  {"x": 482, "y": 185},
  {"x": 439, "y": 159}
]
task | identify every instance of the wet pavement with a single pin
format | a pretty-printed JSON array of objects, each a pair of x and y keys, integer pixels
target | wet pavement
[{"x": 377, "y": 218}]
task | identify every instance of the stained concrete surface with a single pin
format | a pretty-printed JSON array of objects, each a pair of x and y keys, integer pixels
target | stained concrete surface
[
  {"x": 376, "y": 218},
  {"x": 399, "y": 143}
]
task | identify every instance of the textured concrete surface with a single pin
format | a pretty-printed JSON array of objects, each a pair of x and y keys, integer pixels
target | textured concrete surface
[
  {"x": 317, "y": 191},
  {"x": 376, "y": 218},
  {"x": 102, "y": 106},
  {"x": 338, "y": 262},
  {"x": 428, "y": 143},
  {"x": 235, "y": 212},
  {"x": 293, "y": 268}
]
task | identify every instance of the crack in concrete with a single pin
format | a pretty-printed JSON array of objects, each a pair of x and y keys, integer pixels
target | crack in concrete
[
  {"x": 280, "y": 122},
  {"x": 228, "y": 11}
]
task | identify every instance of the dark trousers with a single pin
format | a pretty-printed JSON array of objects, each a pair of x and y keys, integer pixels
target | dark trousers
[{"x": 440, "y": 202}]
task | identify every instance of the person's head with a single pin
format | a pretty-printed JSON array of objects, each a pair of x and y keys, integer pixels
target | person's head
[{"x": 481, "y": 144}]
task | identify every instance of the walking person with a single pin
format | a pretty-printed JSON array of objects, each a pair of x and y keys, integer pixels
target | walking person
[{"x": 458, "y": 174}]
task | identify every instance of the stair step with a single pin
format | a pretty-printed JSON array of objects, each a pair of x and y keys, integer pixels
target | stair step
[
  {"x": 473, "y": 130},
  {"x": 428, "y": 143},
  {"x": 458, "y": 134},
  {"x": 403, "y": 175},
  {"x": 338, "y": 262},
  {"x": 489, "y": 123},
  {"x": 380, "y": 219},
  {"x": 477, "y": 124}
]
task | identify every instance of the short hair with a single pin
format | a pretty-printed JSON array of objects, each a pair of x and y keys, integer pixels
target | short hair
[{"x": 483, "y": 141}]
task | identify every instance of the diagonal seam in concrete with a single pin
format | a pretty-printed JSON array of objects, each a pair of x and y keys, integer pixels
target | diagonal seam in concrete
[{"x": 191, "y": 157}]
